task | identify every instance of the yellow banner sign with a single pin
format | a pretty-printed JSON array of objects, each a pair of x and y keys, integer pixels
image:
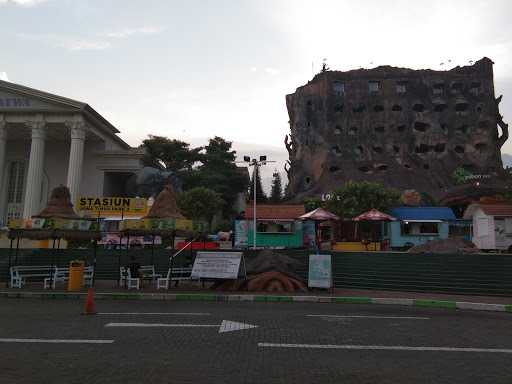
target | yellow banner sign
[{"x": 112, "y": 205}]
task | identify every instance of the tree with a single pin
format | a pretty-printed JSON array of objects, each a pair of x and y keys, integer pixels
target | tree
[
  {"x": 200, "y": 203},
  {"x": 460, "y": 175},
  {"x": 220, "y": 173},
  {"x": 355, "y": 198},
  {"x": 312, "y": 203},
  {"x": 276, "y": 190},
  {"x": 261, "y": 197},
  {"x": 166, "y": 154}
]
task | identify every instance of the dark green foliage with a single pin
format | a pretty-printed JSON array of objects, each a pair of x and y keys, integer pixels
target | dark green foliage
[
  {"x": 355, "y": 198},
  {"x": 261, "y": 197},
  {"x": 167, "y": 154},
  {"x": 312, "y": 203},
  {"x": 200, "y": 203},
  {"x": 276, "y": 191}
]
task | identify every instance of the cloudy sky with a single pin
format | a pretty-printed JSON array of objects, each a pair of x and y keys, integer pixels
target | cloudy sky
[{"x": 192, "y": 69}]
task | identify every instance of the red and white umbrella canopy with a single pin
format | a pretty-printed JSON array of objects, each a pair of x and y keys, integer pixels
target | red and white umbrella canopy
[
  {"x": 319, "y": 214},
  {"x": 374, "y": 215}
]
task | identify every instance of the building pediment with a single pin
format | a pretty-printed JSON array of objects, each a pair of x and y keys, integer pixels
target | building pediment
[{"x": 17, "y": 98}]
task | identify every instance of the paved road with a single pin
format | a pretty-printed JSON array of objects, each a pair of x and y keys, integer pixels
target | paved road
[{"x": 50, "y": 342}]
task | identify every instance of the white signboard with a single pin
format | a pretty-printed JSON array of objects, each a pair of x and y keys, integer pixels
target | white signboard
[
  {"x": 320, "y": 274},
  {"x": 216, "y": 265}
]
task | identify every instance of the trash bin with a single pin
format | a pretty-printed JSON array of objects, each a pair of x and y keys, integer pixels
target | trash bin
[{"x": 76, "y": 275}]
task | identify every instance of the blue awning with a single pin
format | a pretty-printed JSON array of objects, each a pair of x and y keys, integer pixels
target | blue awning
[{"x": 423, "y": 213}]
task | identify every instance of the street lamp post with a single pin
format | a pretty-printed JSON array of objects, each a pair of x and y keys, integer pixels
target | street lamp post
[{"x": 255, "y": 163}]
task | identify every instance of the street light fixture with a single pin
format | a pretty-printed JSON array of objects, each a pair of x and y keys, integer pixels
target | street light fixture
[{"x": 255, "y": 163}]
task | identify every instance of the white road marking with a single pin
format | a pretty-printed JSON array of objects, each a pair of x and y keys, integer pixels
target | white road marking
[
  {"x": 385, "y": 348},
  {"x": 372, "y": 317},
  {"x": 57, "y": 341},
  {"x": 159, "y": 325},
  {"x": 225, "y": 326},
  {"x": 157, "y": 313}
]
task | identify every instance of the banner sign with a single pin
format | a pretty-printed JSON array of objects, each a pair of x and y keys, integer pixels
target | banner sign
[
  {"x": 241, "y": 233},
  {"x": 320, "y": 274},
  {"x": 216, "y": 265},
  {"x": 116, "y": 205}
]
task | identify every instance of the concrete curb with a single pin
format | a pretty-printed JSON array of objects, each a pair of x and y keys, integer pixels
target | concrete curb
[{"x": 208, "y": 297}]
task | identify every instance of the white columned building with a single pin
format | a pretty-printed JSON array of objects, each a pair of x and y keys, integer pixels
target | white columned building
[
  {"x": 48, "y": 140},
  {"x": 35, "y": 168},
  {"x": 76, "y": 156}
]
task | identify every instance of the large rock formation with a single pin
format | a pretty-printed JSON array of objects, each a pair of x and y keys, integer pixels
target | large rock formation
[{"x": 404, "y": 128}]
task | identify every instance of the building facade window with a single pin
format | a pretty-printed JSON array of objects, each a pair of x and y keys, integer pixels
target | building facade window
[
  {"x": 15, "y": 189},
  {"x": 401, "y": 87},
  {"x": 339, "y": 88},
  {"x": 373, "y": 86}
]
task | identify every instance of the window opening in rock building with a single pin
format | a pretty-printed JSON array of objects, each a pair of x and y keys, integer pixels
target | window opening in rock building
[
  {"x": 459, "y": 149},
  {"x": 373, "y": 86},
  {"x": 418, "y": 107},
  {"x": 401, "y": 87},
  {"x": 377, "y": 149},
  {"x": 360, "y": 108},
  {"x": 480, "y": 147},
  {"x": 419, "y": 126},
  {"x": 336, "y": 149},
  {"x": 440, "y": 107},
  {"x": 338, "y": 108},
  {"x": 456, "y": 86},
  {"x": 378, "y": 108},
  {"x": 380, "y": 129},
  {"x": 339, "y": 88},
  {"x": 463, "y": 129},
  {"x": 475, "y": 88},
  {"x": 401, "y": 128},
  {"x": 461, "y": 107},
  {"x": 396, "y": 108},
  {"x": 337, "y": 130},
  {"x": 483, "y": 124},
  {"x": 438, "y": 89},
  {"x": 439, "y": 147}
]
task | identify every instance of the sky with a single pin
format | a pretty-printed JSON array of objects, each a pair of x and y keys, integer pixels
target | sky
[{"x": 193, "y": 69}]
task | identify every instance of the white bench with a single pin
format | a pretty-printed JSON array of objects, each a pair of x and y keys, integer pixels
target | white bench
[
  {"x": 127, "y": 280},
  {"x": 61, "y": 275},
  {"x": 148, "y": 272},
  {"x": 20, "y": 273},
  {"x": 178, "y": 274}
]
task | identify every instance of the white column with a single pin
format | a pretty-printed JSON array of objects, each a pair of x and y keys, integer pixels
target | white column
[
  {"x": 3, "y": 141},
  {"x": 35, "y": 169},
  {"x": 76, "y": 157}
]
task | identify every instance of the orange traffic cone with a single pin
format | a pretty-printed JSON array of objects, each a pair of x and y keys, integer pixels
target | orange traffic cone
[{"x": 89, "y": 303}]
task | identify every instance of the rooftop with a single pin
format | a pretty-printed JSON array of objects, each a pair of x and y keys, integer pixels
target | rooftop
[
  {"x": 423, "y": 213},
  {"x": 274, "y": 212}
]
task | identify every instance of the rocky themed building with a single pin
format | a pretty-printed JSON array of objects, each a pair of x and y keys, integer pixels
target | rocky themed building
[
  {"x": 404, "y": 128},
  {"x": 48, "y": 140}
]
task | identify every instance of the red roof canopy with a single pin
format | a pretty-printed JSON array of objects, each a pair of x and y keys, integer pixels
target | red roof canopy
[
  {"x": 274, "y": 212},
  {"x": 319, "y": 214},
  {"x": 373, "y": 215}
]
